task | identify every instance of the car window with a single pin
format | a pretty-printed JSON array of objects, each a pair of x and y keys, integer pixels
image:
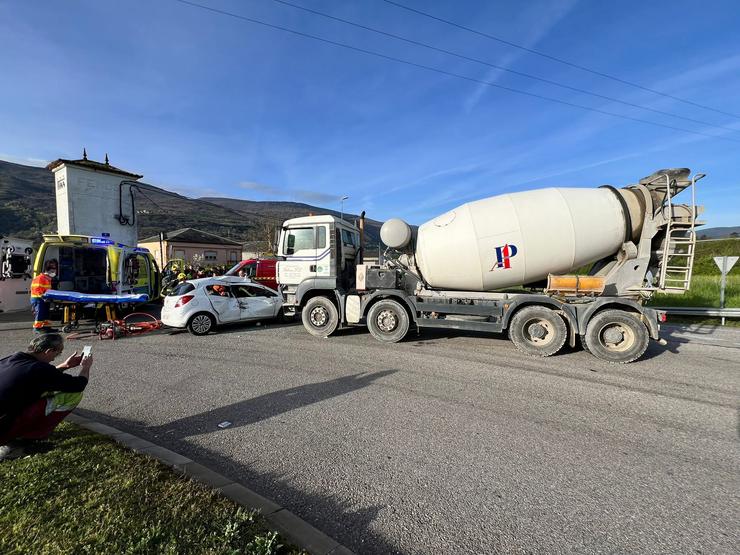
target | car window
[
  {"x": 217, "y": 290},
  {"x": 241, "y": 291},
  {"x": 182, "y": 289},
  {"x": 250, "y": 269},
  {"x": 259, "y": 291}
]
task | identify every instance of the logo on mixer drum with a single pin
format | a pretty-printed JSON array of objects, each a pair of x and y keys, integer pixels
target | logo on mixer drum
[{"x": 504, "y": 254}]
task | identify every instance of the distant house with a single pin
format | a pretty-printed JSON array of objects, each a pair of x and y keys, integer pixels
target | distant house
[{"x": 194, "y": 246}]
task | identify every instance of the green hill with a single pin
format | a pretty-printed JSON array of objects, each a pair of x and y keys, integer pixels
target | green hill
[
  {"x": 28, "y": 209},
  {"x": 706, "y": 251}
]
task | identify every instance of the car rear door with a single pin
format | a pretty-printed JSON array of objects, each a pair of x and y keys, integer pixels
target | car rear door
[{"x": 227, "y": 307}]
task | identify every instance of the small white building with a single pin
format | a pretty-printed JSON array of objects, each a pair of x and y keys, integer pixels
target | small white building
[{"x": 95, "y": 198}]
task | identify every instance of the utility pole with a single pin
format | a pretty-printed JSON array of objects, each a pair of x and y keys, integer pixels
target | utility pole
[
  {"x": 161, "y": 251},
  {"x": 341, "y": 212}
]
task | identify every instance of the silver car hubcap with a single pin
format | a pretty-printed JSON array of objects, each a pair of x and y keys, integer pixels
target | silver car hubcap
[{"x": 202, "y": 323}]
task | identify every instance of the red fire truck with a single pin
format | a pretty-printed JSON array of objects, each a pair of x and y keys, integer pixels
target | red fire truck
[{"x": 261, "y": 270}]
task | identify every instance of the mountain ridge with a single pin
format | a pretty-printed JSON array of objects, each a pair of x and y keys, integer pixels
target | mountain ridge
[{"x": 28, "y": 209}]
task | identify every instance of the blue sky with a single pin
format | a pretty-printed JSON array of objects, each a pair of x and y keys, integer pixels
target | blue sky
[{"x": 209, "y": 105}]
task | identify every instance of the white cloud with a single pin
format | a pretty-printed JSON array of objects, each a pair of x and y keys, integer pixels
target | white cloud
[
  {"x": 302, "y": 194},
  {"x": 38, "y": 162}
]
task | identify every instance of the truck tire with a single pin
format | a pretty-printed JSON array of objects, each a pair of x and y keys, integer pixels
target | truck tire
[
  {"x": 320, "y": 317},
  {"x": 201, "y": 323},
  {"x": 388, "y": 321},
  {"x": 616, "y": 336},
  {"x": 538, "y": 331}
]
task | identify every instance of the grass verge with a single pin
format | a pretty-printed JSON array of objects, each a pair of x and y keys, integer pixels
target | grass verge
[
  {"x": 704, "y": 292},
  {"x": 91, "y": 495}
]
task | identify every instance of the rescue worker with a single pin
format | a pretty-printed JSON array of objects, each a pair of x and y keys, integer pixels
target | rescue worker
[
  {"x": 39, "y": 286},
  {"x": 181, "y": 277}
]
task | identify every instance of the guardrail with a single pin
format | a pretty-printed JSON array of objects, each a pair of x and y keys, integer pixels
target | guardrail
[
  {"x": 723, "y": 313},
  {"x": 699, "y": 311}
]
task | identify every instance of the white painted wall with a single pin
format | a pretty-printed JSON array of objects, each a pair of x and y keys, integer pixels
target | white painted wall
[{"x": 88, "y": 204}]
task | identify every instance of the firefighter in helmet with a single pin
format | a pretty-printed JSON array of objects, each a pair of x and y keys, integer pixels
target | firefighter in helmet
[{"x": 39, "y": 286}]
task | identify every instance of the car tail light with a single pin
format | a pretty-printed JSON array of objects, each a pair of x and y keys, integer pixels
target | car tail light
[
  {"x": 182, "y": 301},
  {"x": 662, "y": 316}
]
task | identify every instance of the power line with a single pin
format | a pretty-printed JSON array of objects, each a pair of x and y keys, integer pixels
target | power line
[
  {"x": 449, "y": 73},
  {"x": 559, "y": 60},
  {"x": 501, "y": 68}
]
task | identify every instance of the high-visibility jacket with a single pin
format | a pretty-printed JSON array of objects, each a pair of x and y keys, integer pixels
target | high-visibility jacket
[{"x": 40, "y": 285}]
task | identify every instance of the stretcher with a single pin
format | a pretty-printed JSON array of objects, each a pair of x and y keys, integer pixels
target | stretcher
[
  {"x": 74, "y": 301},
  {"x": 85, "y": 298}
]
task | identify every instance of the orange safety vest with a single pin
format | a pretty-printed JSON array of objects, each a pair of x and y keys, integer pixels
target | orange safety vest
[{"x": 40, "y": 285}]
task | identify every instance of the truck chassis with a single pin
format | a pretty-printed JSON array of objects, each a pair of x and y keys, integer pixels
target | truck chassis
[{"x": 613, "y": 329}]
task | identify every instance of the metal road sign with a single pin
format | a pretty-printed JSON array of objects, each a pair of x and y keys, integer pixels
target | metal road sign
[{"x": 725, "y": 263}]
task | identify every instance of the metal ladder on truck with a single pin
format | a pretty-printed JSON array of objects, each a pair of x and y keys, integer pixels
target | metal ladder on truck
[{"x": 679, "y": 245}]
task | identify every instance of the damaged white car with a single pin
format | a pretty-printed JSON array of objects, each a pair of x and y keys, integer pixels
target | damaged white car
[{"x": 202, "y": 304}]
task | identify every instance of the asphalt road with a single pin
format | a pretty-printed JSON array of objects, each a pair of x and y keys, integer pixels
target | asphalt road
[{"x": 447, "y": 443}]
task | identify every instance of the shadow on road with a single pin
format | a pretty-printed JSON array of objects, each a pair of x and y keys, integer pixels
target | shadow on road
[
  {"x": 339, "y": 519},
  {"x": 265, "y": 406}
]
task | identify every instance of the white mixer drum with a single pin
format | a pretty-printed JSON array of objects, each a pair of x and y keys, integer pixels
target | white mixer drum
[{"x": 519, "y": 238}]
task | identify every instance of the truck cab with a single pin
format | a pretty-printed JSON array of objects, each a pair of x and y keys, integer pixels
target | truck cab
[
  {"x": 99, "y": 265},
  {"x": 318, "y": 256}
]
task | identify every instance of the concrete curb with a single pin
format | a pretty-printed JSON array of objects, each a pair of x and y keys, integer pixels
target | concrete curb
[{"x": 295, "y": 529}]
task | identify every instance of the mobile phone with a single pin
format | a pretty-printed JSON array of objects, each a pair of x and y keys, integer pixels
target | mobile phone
[{"x": 86, "y": 351}]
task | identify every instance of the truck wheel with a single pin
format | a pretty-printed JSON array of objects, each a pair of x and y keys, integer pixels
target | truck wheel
[
  {"x": 320, "y": 317},
  {"x": 616, "y": 336},
  {"x": 538, "y": 331},
  {"x": 201, "y": 323},
  {"x": 388, "y": 321}
]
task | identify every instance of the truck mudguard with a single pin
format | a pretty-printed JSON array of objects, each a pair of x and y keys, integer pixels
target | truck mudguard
[{"x": 323, "y": 283}]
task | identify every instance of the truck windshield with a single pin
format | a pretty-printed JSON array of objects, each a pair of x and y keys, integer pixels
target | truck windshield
[{"x": 298, "y": 239}]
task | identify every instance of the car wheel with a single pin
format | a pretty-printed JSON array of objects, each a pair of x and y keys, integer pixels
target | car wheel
[
  {"x": 388, "y": 321},
  {"x": 538, "y": 331},
  {"x": 201, "y": 323},
  {"x": 320, "y": 317},
  {"x": 616, "y": 336}
]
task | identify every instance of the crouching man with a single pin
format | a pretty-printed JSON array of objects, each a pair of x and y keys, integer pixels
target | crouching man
[{"x": 36, "y": 396}]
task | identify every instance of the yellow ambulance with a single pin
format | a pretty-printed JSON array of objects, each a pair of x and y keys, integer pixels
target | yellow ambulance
[{"x": 99, "y": 266}]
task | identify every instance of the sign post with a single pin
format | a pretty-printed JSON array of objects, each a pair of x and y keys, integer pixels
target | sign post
[{"x": 725, "y": 264}]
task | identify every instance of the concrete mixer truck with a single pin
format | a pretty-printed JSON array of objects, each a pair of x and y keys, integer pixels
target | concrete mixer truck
[{"x": 548, "y": 266}]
